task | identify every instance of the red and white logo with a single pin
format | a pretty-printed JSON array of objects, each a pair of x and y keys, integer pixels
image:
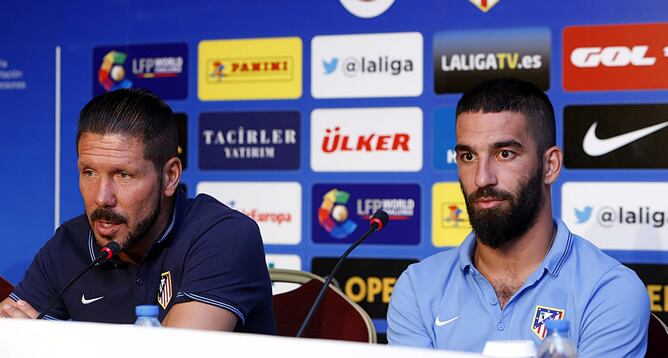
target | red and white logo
[
  {"x": 275, "y": 206},
  {"x": 616, "y": 57},
  {"x": 366, "y": 139}
]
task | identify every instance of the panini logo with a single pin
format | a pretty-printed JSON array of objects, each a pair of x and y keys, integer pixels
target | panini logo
[
  {"x": 616, "y": 57},
  {"x": 463, "y": 59},
  {"x": 252, "y": 69},
  {"x": 269, "y": 68},
  {"x": 450, "y": 220},
  {"x": 367, "y": 65},
  {"x": 350, "y": 139}
]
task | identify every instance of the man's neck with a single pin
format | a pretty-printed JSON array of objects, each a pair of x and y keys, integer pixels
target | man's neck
[{"x": 509, "y": 266}]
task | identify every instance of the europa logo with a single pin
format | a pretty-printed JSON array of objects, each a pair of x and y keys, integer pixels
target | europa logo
[{"x": 333, "y": 214}]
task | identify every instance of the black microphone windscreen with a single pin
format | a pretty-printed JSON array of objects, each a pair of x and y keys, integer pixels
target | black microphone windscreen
[{"x": 380, "y": 218}]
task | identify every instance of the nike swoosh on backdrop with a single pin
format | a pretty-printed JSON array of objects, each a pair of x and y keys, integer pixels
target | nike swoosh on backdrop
[
  {"x": 443, "y": 323},
  {"x": 85, "y": 301},
  {"x": 596, "y": 147}
]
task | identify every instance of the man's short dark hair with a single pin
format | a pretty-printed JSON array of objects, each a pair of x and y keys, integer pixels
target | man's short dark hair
[
  {"x": 513, "y": 95},
  {"x": 134, "y": 113}
]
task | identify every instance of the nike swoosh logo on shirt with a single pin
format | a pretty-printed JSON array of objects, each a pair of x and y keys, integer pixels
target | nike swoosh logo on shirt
[
  {"x": 596, "y": 147},
  {"x": 85, "y": 301},
  {"x": 443, "y": 323}
]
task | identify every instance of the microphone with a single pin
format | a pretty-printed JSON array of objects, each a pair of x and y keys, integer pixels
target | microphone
[
  {"x": 106, "y": 253},
  {"x": 378, "y": 221}
]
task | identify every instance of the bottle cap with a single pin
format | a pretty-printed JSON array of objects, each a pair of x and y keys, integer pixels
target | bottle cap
[
  {"x": 510, "y": 348},
  {"x": 556, "y": 325},
  {"x": 146, "y": 310}
]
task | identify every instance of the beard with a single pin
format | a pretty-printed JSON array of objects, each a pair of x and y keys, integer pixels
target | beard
[
  {"x": 497, "y": 226},
  {"x": 138, "y": 233}
]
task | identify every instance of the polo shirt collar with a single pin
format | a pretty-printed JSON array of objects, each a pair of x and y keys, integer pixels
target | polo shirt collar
[
  {"x": 554, "y": 260},
  {"x": 179, "y": 207}
]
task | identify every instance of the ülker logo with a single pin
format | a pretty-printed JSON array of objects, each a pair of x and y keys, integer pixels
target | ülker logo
[
  {"x": 352, "y": 139},
  {"x": 615, "y": 57}
]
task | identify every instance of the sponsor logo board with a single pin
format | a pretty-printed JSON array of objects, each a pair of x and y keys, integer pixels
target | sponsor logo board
[
  {"x": 249, "y": 140},
  {"x": 275, "y": 206},
  {"x": 283, "y": 261},
  {"x": 444, "y": 138},
  {"x": 450, "y": 220},
  {"x": 341, "y": 212},
  {"x": 367, "y": 65},
  {"x": 160, "y": 68},
  {"x": 268, "y": 68},
  {"x": 617, "y": 215},
  {"x": 368, "y": 282},
  {"x": 616, "y": 136},
  {"x": 484, "y": 5},
  {"x": 464, "y": 58},
  {"x": 615, "y": 57},
  {"x": 655, "y": 278},
  {"x": 367, "y": 8},
  {"x": 366, "y": 139}
]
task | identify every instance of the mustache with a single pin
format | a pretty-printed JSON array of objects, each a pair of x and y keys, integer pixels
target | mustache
[
  {"x": 489, "y": 192},
  {"x": 107, "y": 215}
]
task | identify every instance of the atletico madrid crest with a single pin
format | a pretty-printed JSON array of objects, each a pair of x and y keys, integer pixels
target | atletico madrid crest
[
  {"x": 484, "y": 5},
  {"x": 165, "y": 289},
  {"x": 544, "y": 314}
]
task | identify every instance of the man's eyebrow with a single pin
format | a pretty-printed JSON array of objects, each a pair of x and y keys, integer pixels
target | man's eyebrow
[
  {"x": 507, "y": 143},
  {"x": 463, "y": 148}
]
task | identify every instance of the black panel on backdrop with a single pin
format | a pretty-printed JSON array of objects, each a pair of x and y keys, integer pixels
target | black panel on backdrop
[
  {"x": 369, "y": 282},
  {"x": 616, "y": 136},
  {"x": 182, "y": 130},
  {"x": 655, "y": 277}
]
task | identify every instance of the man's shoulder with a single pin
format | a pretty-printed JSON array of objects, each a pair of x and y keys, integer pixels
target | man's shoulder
[
  {"x": 205, "y": 214},
  {"x": 434, "y": 267},
  {"x": 75, "y": 229}
]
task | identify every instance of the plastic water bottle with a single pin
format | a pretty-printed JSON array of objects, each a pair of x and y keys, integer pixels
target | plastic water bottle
[
  {"x": 556, "y": 344},
  {"x": 147, "y": 316}
]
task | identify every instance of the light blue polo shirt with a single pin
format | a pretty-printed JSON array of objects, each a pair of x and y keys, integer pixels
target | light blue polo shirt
[{"x": 444, "y": 302}]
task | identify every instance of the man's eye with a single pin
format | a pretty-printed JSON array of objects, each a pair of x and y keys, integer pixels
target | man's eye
[
  {"x": 506, "y": 154},
  {"x": 88, "y": 173},
  {"x": 467, "y": 157},
  {"x": 123, "y": 175}
]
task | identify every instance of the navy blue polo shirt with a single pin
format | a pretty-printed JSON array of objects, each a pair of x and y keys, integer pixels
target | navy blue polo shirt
[{"x": 208, "y": 253}]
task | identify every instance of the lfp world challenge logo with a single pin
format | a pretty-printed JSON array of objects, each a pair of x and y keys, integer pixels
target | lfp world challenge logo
[
  {"x": 160, "y": 68},
  {"x": 343, "y": 212}
]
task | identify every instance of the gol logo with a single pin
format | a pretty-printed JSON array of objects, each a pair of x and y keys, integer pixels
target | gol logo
[{"x": 616, "y": 57}]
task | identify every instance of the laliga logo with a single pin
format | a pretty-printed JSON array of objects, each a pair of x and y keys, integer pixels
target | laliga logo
[
  {"x": 111, "y": 74},
  {"x": 612, "y": 56},
  {"x": 333, "y": 214},
  {"x": 335, "y": 141}
]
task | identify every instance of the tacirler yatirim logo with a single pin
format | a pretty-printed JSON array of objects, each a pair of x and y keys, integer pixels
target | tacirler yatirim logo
[
  {"x": 333, "y": 214},
  {"x": 111, "y": 74},
  {"x": 465, "y": 58}
]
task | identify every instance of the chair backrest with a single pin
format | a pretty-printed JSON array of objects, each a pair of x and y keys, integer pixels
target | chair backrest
[
  {"x": 657, "y": 338},
  {"x": 5, "y": 288},
  {"x": 337, "y": 316}
]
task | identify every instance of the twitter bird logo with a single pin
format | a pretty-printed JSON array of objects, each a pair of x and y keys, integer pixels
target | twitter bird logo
[
  {"x": 330, "y": 66},
  {"x": 583, "y": 215}
]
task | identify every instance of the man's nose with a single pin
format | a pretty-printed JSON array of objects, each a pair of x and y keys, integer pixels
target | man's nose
[
  {"x": 485, "y": 174},
  {"x": 105, "y": 194}
]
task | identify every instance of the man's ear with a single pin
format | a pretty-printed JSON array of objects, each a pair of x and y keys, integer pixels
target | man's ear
[
  {"x": 553, "y": 159},
  {"x": 171, "y": 175}
]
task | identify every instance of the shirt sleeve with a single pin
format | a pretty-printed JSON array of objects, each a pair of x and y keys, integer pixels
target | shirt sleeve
[
  {"x": 616, "y": 318},
  {"x": 226, "y": 268},
  {"x": 404, "y": 323},
  {"x": 39, "y": 285}
]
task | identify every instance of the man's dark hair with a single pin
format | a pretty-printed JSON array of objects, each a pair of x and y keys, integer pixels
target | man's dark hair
[
  {"x": 134, "y": 113},
  {"x": 513, "y": 95}
]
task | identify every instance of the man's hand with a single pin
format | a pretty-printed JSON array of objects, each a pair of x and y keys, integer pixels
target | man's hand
[{"x": 19, "y": 309}]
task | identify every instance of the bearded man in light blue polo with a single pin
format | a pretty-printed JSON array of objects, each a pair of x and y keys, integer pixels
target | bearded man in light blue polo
[{"x": 520, "y": 266}]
